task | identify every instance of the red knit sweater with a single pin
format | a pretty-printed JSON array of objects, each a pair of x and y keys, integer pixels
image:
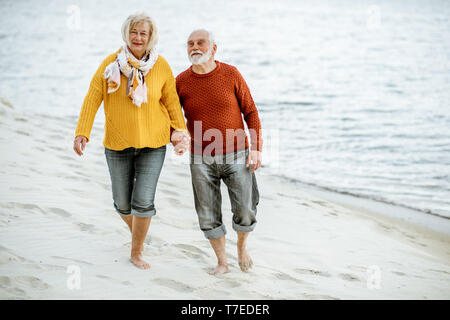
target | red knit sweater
[{"x": 218, "y": 99}]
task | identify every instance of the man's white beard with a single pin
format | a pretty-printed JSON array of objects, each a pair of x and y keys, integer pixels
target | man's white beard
[{"x": 200, "y": 59}]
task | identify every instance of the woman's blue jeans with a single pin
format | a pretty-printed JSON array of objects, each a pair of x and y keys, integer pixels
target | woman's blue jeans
[{"x": 134, "y": 175}]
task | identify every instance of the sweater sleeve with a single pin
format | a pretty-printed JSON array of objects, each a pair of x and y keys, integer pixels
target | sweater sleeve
[
  {"x": 91, "y": 103},
  {"x": 249, "y": 110},
  {"x": 170, "y": 100}
]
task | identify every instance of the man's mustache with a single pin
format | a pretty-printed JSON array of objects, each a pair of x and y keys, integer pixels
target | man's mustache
[{"x": 197, "y": 51}]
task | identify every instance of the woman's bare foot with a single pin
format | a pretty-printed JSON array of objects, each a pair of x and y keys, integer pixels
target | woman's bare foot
[
  {"x": 245, "y": 261},
  {"x": 220, "y": 269},
  {"x": 139, "y": 262}
]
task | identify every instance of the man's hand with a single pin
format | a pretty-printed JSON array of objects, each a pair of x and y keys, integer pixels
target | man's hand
[
  {"x": 79, "y": 144},
  {"x": 180, "y": 140},
  {"x": 254, "y": 159}
]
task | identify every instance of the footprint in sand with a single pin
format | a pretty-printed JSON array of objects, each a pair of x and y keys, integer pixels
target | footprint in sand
[
  {"x": 284, "y": 276},
  {"x": 440, "y": 271},
  {"x": 22, "y": 132},
  {"x": 60, "y": 212},
  {"x": 32, "y": 282},
  {"x": 72, "y": 260},
  {"x": 5, "y": 282},
  {"x": 57, "y": 148},
  {"x": 384, "y": 226},
  {"x": 55, "y": 137},
  {"x": 7, "y": 255},
  {"x": 312, "y": 272},
  {"x": 191, "y": 251},
  {"x": 358, "y": 268},
  {"x": 28, "y": 281},
  {"x": 173, "y": 284},
  {"x": 207, "y": 293},
  {"x": 17, "y": 293},
  {"x": 303, "y": 204},
  {"x": 230, "y": 284},
  {"x": 105, "y": 186},
  {"x": 39, "y": 148},
  {"x": 21, "y": 119},
  {"x": 333, "y": 213},
  {"x": 28, "y": 206},
  {"x": 86, "y": 227},
  {"x": 349, "y": 277},
  {"x": 321, "y": 203},
  {"x": 175, "y": 202},
  {"x": 319, "y": 297}
]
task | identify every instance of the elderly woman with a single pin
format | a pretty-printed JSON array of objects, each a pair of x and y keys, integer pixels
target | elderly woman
[{"x": 142, "y": 115}]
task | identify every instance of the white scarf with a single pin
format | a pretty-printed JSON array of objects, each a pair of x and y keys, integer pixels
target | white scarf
[{"x": 135, "y": 70}]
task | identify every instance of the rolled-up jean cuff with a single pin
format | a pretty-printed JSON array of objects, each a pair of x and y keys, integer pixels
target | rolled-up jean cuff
[
  {"x": 216, "y": 233},
  {"x": 143, "y": 214},
  {"x": 239, "y": 228},
  {"x": 124, "y": 213}
]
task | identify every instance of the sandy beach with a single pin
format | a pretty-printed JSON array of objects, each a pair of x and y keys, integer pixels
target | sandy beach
[{"x": 56, "y": 216}]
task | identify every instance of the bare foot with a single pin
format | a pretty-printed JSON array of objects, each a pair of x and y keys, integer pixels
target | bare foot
[
  {"x": 245, "y": 261},
  {"x": 139, "y": 262},
  {"x": 220, "y": 269}
]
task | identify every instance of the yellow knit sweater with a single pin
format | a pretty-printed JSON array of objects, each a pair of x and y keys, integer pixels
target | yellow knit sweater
[{"x": 127, "y": 125}]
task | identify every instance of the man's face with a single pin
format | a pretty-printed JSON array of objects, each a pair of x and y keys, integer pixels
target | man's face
[{"x": 199, "y": 48}]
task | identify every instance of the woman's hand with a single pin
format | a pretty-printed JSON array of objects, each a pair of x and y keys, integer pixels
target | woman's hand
[
  {"x": 79, "y": 144},
  {"x": 180, "y": 140}
]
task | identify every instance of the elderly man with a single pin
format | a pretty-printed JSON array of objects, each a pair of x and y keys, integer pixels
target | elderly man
[{"x": 214, "y": 96}]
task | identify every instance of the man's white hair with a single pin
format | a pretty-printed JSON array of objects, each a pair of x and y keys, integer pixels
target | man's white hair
[
  {"x": 211, "y": 38},
  {"x": 134, "y": 19}
]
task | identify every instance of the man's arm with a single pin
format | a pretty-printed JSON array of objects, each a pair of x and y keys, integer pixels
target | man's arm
[{"x": 251, "y": 117}]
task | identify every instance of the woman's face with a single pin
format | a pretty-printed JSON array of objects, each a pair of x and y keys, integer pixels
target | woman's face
[{"x": 139, "y": 38}]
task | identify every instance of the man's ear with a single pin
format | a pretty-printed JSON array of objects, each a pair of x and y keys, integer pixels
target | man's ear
[{"x": 214, "y": 48}]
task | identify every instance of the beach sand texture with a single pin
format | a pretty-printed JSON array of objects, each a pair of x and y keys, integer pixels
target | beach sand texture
[{"x": 56, "y": 216}]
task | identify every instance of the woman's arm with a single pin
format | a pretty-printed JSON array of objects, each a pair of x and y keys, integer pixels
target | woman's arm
[{"x": 91, "y": 103}]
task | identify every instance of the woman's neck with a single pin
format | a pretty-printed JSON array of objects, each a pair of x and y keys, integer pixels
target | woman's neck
[{"x": 137, "y": 55}]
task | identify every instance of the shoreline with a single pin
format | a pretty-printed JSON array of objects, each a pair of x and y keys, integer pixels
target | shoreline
[{"x": 415, "y": 217}]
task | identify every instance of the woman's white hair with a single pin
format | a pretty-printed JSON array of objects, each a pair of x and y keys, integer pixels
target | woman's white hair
[{"x": 134, "y": 19}]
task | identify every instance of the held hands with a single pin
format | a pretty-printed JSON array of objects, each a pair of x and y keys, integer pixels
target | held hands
[
  {"x": 79, "y": 144},
  {"x": 254, "y": 159},
  {"x": 180, "y": 140}
]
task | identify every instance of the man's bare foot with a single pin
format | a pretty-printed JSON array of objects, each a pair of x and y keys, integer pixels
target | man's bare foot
[
  {"x": 139, "y": 262},
  {"x": 220, "y": 269},
  {"x": 245, "y": 261}
]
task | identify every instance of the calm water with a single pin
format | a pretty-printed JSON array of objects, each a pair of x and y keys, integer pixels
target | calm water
[{"x": 354, "y": 96}]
